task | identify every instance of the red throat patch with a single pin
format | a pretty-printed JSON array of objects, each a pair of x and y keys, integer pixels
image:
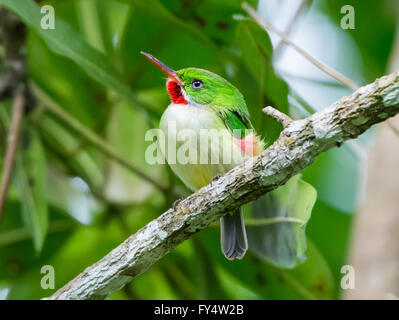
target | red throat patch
[{"x": 175, "y": 93}]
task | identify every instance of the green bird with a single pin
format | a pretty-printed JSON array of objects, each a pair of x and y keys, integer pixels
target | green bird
[{"x": 202, "y": 101}]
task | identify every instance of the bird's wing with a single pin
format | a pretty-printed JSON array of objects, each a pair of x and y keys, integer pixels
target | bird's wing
[{"x": 237, "y": 121}]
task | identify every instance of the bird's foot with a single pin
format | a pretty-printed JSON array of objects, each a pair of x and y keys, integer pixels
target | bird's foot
[
  {"x": 175, "y": 204},
  {"x": 216, "y": 178}
]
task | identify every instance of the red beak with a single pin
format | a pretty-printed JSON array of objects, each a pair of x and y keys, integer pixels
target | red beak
[{"x": 161, "y": 66}]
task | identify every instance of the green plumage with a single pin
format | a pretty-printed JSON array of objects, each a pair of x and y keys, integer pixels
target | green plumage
[
  {"x": 220, "y": 96},
  {"x": 202, "y": 100}
]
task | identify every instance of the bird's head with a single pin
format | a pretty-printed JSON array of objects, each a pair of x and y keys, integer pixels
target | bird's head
[{"x": 199, "y": 87}]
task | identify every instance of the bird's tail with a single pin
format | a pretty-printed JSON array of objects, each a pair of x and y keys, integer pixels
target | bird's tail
[{"x": 233, "y": 235}]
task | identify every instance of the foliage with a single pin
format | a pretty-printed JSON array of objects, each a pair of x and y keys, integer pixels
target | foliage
[{"x": 70, "y": 204}]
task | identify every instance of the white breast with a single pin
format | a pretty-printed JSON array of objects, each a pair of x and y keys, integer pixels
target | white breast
[{"x": 194, "y": 128}]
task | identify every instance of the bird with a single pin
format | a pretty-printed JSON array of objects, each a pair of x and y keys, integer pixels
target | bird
[{"x": 202, "y": 101}]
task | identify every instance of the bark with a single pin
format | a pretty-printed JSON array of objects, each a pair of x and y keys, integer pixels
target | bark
[{"x": 296, "y": 148}]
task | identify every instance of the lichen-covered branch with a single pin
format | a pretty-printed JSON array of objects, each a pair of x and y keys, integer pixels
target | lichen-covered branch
[
  {"x": 296, "y": 148},
  {"x": 278, "y": 116}
]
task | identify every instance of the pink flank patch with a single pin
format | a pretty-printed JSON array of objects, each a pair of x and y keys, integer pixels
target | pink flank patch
[
  {"x": 175, "y": 93},
  {"x": 250, "y": 145}
]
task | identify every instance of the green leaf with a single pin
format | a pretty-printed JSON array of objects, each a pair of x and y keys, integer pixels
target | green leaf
[
  {"x": 329, "y": 174},
  {"x": 71, "y": 88},
  {"x": 234, "y": 288},
  {"x": 252, "y": 46},
  {"x": 276, "y": 230},
  {"x": 65, "y": 143},
  {"x": 375, "y": 55},
  {"x": 64, "y": 40},
  {"x": 19, "y": 263},
  {"x": 327, "y": 221},
  {"x": 213, "y": 17},
  {"x": 76, "y": 200},
  {"x": 158, "y": 12},
  {"x": 198, "y": 50},
  {"x": 126, "y": 132},
  {"x": 311, "y": 280},
  {"x": 31, "y": 184}
]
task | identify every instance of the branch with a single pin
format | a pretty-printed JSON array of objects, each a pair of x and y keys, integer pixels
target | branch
[
  {"x": 284, "y": 40},
  {"x": 278, "y": 116},
  {"x": 290, "y": 26},
  {"x": 269, "y": 27},
  {"x": 12, "y": 146},
  {"x": 296, "y": 148},
  {"x": 13, "y": 84}
]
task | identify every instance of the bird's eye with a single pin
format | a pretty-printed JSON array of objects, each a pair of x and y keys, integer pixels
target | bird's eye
[{"x": 197, "y": 84}]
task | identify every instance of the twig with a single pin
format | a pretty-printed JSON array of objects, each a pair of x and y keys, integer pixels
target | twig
[
  {"x": 277, "y": 115},
  {"x": 297, "y": 147},
  {"x": 12, "y": 146},
  {"x": 327, "y": 83},
  {"x": 335, "y": 74},
  {"x": 95, "y": 140},
  {"x": 279, "y": 47},
  {"x": 13, "y": 84},
  {"x": 284, "y": 39}
]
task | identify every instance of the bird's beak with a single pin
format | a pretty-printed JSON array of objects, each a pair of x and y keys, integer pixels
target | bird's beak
[{"x": 161, "y": 66}]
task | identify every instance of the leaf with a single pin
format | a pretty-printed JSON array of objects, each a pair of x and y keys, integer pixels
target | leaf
[
  {"x": 252, "y": 46},
  {"x": 89, "y": 244},
  {"x": 310, "y": 280},
  {"x": 66, "y": 41},
  {"x": 198, "y": 50},
  {"x": 31, "y": 184},
  {"x": 213, "y": 17},
  {"x": 327, "y": 221},
  {"x": 19, "y": 263},
  {"x": 233, "y": 287},
  {"x": 76, "y": 200},
  {"x": 71, "y": 88},
  {"x": 155, "y": 285},
  {"x": 277, "y": 231},
  {"x": 158, "y": 12},
  {"x": 329, "y": 174},
  {"x": 65, "y": 143},
  {"x": 373, "y": 54},
  {"x": 126, "y": 132}
]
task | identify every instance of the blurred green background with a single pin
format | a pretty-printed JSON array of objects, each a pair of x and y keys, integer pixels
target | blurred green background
[{"x": 70, "y": 203}]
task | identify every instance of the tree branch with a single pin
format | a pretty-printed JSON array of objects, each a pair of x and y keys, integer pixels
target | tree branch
[
  {"x": 296, "y": 148},
  {"x": 278, "y": 116},
  {"x": 269, "y": 27},
  {"x": 290, "y": 26},
  {"x": 13, "y": 84},
  {"x": 12, "y": 146}
]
